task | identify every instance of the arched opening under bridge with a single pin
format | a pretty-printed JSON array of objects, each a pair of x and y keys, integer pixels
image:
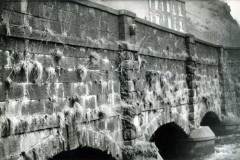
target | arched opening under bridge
[
  {"x": 85, "y": 153},
  {"x": 212, "y": 120},
  {"x": 167, "y": 139}
]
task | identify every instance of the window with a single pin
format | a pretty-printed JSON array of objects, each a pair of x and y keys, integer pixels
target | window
[
  {"x": 168, "y": 6},
  {"x": 175, "y": 23},
  {"x": 181, "y": 26},
  {"x": 180, "y": 9},
  {"x": 174, "y": 9},
  {"x": 150, "y": 18},
  {"x": 169, "y": 22},
  {"x": 150, "y": 3},
  {"x": 157, "y": 19},
  {"x": 156, "y": 4},
  {"x": 162, "y": 5},
  {"x": 163, "y": 19},
  {"x": 153, "y": 19},
  {"x": 160, "y": 19}
]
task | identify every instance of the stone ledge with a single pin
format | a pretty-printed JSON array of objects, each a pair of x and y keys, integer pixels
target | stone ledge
[{"x": 127, "y": 13}]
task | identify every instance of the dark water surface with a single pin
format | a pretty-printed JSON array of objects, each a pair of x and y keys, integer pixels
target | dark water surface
[{"x": 226, "y": 148}]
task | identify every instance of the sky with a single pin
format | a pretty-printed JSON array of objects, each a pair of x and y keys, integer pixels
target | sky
[{"x": 235, "y": 9}]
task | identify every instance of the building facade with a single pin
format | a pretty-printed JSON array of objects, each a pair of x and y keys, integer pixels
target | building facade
[{"x": 167, "y": 13}]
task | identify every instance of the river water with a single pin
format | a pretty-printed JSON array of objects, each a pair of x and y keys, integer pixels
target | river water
[{"x": 227, "y": 148}]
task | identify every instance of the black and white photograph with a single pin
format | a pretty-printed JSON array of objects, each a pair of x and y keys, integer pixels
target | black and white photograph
[{"x": 119, "y": 79}]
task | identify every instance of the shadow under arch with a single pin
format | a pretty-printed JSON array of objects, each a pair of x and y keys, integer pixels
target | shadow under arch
[
  {"x": 83, "y": 153},
  {"x": 212, "y": 120},
  {"x": 89, "y": 144},
  {"x": 167, "y": 138}
]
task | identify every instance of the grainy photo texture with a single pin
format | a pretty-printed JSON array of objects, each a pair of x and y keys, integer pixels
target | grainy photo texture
[{"x": 119, "y": 80}]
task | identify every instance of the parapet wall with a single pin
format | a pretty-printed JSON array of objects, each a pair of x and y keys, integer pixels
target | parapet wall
[
  {"x": 70, "y": 69},
  {"x": 231, "y": 80}
]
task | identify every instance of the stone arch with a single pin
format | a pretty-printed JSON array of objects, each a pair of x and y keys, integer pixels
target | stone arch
[
  {"x": 212, "y": 120},
  {"x": 47, "y": 148},
  {"x": 84, "y": 153},
  {"x": 83, "y": 138},
  {"x": 203, "y": 108},
  {"x": 100, "y": 141},
  {"x": 160, "y": 120},
  {"x": 168, "y": 138}
]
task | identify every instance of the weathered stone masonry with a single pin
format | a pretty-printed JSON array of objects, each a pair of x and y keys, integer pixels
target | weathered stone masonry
[{"x": 77, "y": 74}]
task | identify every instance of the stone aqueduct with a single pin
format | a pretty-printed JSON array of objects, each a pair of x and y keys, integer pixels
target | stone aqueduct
[{"x": 80, "y": 75}]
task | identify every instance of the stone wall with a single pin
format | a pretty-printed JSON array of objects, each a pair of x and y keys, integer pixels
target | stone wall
[
  {"x": 231, "y": 81},
  {"x": 77, "y": 74},
  {"x": 58, "y": 70},
  {"x": 207, "y": 81}
]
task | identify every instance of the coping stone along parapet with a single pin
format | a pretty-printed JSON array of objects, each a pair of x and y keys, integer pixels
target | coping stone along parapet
[
  {"x": 127, "y": 13},
  {"x": 190, "y": 38}
]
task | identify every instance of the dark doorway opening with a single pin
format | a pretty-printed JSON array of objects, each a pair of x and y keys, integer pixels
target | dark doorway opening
[
  {"x": 83, "y": 154},
  {"x": 167, "y": 139},
  {"x": 211, "y": 120}
]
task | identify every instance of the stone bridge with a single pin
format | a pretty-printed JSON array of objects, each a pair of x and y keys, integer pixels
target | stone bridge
[{"x": 81, "y": 79}]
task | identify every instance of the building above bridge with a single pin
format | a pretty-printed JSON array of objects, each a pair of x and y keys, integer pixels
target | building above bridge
[{"x": 167, "y": 13}]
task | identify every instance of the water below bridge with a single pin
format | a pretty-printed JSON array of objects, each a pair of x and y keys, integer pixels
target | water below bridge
[{"x": 226, "y": 148}]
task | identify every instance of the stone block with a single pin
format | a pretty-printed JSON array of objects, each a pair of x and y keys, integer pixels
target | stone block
[
  {"x": 90, "y": 102},
  {"x": 127, "y": 86},
  {"x": 95, "y": 75},
  {"x": 79, "y": 89},
  {"x": 36, "y": 23},
  {"x": 94, "y": 87},
  {"x": 15, "y": 91},
  {"x": 60, "y": 104},
  {"x": 49, "y": 11},
  {"x": 15, "y": 18},
  {"x": 140, "y": 85},
  {"x": 129, "y": 134},
  {"x": 111, "y": 125},
  {"x": 13, "y": 6},
  {"x": 129, "y": 64},
  {"x": 37, "y": 92},
  {"x": 45, "y": 60},
  {"x": 12, "y": 146},
  {"x": 57, "y": 90},
  {"x": 49, "y": 107},
  {"x": 69, "y": 76},
  {"x": 78, "y": 52},
  {"x": 128, "y": 74},
  {"x": 5, "y": 129},
  {"x": 21, "y": 127},
  {"x": 33, "y": 107},
  {"x": 2, "y": 93},
  {"x": 101, "y": 99},
  {"x": 191, "y": 92},
  {"x": 34, "y": 9},
  {"x": 102, "y": 124},
  {"x": 68, "y": 62},
  {"x": 2, "y": 150},
  {"x": 68, "y": 92},
  {"x": 116, "y": 86},
  {"x": 4, "y": 56},
  {"x": 117, "y": 98}
]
